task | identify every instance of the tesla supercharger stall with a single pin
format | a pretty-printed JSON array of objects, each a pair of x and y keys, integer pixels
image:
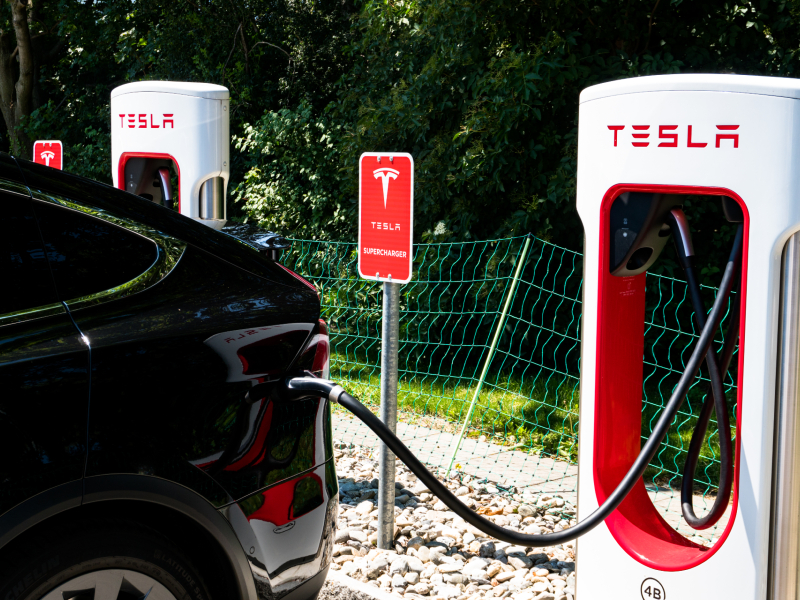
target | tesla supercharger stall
[
  {"x": 654, "y": 141},
  {"x": 169, "y": 130},
  {"x": 651, "y": 150}
]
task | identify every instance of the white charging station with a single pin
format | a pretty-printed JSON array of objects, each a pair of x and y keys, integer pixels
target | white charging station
[
  {"x": 718, "y": 135},
  {"x": 163, "y": 130}
]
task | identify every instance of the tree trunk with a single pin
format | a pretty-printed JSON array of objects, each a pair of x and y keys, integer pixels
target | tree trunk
[
  {"x": 16, "y": 98},
  {"x": 24, "y": 86},
  {"x": 7, "y": 87}
]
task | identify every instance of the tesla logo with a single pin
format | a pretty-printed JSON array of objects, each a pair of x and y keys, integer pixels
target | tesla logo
[
  {"x": 246, "y": 333},
  {"x": 386, "y": 174},
  {"x": 389, "y": 226},
  {"x": 669, "y": 136},
  {"x": 49, "y": 153},
  {"x": 146, "y": 121}
]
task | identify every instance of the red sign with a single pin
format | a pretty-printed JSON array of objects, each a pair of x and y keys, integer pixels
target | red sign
[
  {"x": 385, "y": 216},
  {"x": 49, "y": 153}
]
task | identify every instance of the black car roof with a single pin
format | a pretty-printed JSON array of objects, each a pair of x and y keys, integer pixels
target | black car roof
[{"x": 9, "y": 169}]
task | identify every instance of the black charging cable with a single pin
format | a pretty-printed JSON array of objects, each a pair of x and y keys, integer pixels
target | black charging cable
[
  {"x": 715, "y": 396},
  {"x": 297, "y": 388}
]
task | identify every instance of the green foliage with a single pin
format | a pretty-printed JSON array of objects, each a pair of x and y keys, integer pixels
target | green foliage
[
  {"x": 483, "y": 94},
  {"x": 283, "y": 187},
  {"x": 485, "y": 97},
  {"x": 91, "y": 41},
  {"x": 269, "y": 54}
]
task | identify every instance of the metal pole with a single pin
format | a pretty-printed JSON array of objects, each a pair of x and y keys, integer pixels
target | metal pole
[
  {"x": 390, "y": 334},
  {"x": 785, "y": 519},
  {"x": 498, "y": 330}
]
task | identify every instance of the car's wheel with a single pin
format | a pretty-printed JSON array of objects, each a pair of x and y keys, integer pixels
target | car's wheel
[{"x": 100, "y": 561}]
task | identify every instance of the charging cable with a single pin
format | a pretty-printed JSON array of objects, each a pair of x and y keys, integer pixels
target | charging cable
[
  {"x": 715, "y": 397},
  {"x": 296, "y": 388}
]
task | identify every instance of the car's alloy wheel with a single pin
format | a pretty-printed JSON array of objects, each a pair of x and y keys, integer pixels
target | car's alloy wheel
[
  {"x": 111, "y": 584},
  {"x": 99, "y": 560}
]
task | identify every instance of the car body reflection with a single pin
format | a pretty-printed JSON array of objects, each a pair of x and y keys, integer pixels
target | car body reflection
[
  {"x": 284, "y": 449},
  {"x": 290, "y": 528}
]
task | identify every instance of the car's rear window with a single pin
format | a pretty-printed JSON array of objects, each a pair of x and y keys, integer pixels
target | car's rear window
[
  {"x": 44, "y": 179},
  {"x": 88, "y": 255},
  {"x": 26, "y": 279}
]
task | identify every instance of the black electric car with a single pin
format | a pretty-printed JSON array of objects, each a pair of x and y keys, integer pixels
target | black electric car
[{"x": 142, "y": 453}]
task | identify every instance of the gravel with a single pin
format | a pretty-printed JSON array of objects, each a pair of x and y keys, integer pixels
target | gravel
[{"x": 437, "y": 555}]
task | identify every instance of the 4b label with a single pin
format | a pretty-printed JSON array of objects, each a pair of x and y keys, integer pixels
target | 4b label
[{"x": 653, "y": 590}]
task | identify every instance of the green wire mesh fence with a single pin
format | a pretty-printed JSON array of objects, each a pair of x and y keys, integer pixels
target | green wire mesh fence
[{"x": 523, "y": 433}]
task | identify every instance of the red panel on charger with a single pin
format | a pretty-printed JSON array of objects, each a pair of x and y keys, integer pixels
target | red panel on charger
[{"x": 636, "y": 525}]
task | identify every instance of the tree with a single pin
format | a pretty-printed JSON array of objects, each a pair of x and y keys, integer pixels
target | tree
[
  {"x": 269, "y": 53},
  {"x": 27, "y": 42},
  {"x": 485, "y": 96}
]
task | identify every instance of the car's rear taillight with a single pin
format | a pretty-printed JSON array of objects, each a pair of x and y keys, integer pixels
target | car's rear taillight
[
  {"x": 299, "y": 278},
  {"x": 316, "y": 356},
  {"x": 321, "y": 366}
]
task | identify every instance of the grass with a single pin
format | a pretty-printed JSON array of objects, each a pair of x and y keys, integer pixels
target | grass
[{"x": 538, "y": 415}]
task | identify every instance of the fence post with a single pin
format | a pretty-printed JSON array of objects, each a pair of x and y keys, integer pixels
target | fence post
[
  {"x": 390, "y": 331},
  {"x": 498, "y": 330}
]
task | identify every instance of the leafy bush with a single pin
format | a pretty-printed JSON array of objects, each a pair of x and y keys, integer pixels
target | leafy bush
[
  {"x": 483, "y": 94},
  {"x": 485, "y": 97},
  {"x": 290, "y": 181}
]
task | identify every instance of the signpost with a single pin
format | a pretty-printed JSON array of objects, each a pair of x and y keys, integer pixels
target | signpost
[
  {"x": 385, "y": 252},
  {"x": 49, "y": 153}
]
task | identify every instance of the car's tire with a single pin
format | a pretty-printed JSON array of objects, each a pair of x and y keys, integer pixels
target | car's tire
[{"x": 121, "y": 555}]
